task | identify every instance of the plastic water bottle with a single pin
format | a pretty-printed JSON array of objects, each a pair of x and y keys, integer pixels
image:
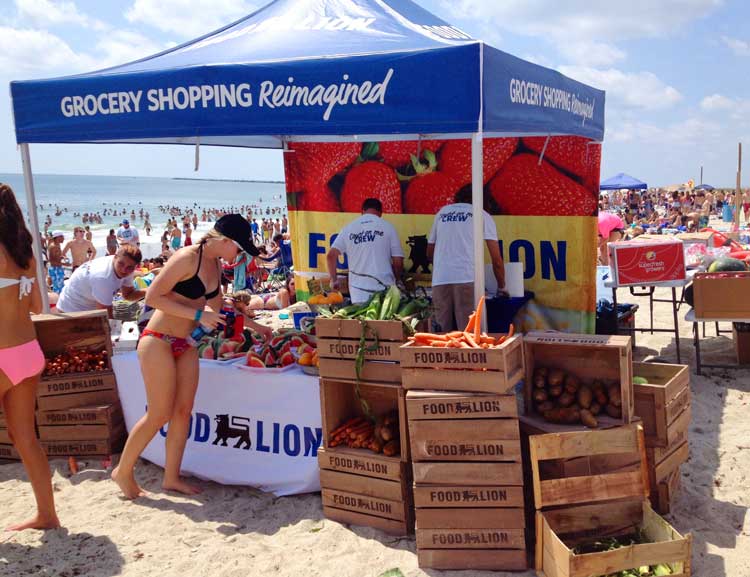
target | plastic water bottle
[{"x": 198, "y": 333}]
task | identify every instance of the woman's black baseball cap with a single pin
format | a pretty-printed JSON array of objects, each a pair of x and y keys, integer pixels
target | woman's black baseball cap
[{"x": 235, "y": 227}]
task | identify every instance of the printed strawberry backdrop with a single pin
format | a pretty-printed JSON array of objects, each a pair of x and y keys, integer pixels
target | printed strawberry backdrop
[{"x": 526, "y": 181}]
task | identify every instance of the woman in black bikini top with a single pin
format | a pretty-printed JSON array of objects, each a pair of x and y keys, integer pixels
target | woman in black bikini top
[{"x": 168, "y": 363}]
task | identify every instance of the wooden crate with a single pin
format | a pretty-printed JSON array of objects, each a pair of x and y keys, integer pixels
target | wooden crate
[
  {"x": 467, "y": 496},
  {"x": 575, "y": 510},
  {"x": 88, "y": 330},
  {"x": 79, "y": 399},
  {"x": 339, "y": 403},
  {"x": 467, "y": 370},
  {"x": 660, "y": 402},
  {"x": 77, "y": 383},
  {"x": 5, "y": 437},
  {"x": 3, "y": 422},
  {"x": 476, "y": 559},
  {"x": 109, "y": 414},
  {"x": 677, "y": 434},
  {"x": 589, "y": 357},
  {"x": 338, "y": 343},
  {"x": 113, "y": 432},
  {"x": 9, "y": 453},
  {"x": 369, "y": 490},
  {"x": 663, "y": 497}
]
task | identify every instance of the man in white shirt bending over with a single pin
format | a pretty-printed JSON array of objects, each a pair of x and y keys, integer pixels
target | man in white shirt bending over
[
  {"x": 94, "y": 284},
  {"x": 451, "y": 248},
  {"x": 373, "y": 251}
]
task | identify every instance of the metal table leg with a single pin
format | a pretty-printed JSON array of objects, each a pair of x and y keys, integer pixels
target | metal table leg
[
  {"x": 697, "y": 345},
  {"x": 676, "y": 324}
]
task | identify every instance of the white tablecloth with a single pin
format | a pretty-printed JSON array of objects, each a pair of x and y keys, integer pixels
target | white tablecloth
[{"x": 278, "y": 412}]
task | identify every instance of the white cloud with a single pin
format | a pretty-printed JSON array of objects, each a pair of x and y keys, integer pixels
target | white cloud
[
  {"x": 642, "y": 90},
  {"x": 122, "y": 46},
  {"x": 686, "y": 132},
  {"x": 51, "y": 13},
  {"x": 34, "y": 53},
  {"x": 583, "y": 18},
  {"x": 188, "y": 18},
  {"x": 587, "y": 53},
  {"x": 717, "y": 102},
  {"x": 739, "y": 47}
]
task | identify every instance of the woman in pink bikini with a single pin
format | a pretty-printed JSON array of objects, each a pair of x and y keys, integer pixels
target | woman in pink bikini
[
  {"x": 186, "y": 292},
  {"x": 21, "y": 358}
]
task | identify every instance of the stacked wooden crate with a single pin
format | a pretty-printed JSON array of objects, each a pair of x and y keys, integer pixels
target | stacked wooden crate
[
  {"x": 361, "y": 486},
  {"x": 465, "y": 447},
  {"x": 78, "y": 413},
  {"x": 574, "y": 513},
  {"x": 663, "y": 404},
  {"x": 7, "y": 450}
]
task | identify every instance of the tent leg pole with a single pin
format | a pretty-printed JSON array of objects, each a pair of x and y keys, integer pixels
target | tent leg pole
[
  {"x": 28, "y": 180},
  {"x": 477, "y": 201}
]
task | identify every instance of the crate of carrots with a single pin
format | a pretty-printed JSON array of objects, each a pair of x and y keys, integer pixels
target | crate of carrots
[{"x": 468, "y": 360}]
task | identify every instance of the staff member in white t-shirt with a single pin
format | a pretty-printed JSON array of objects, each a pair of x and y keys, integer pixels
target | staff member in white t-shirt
[
  {"x": 94, "y": 284},
  {"x": 127, "y": 235},
  {"x": 373, "y": 250},
  {"x": 451, "y": 248}
]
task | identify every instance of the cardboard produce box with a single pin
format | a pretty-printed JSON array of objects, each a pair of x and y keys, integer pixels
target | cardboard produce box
[
  {"x": 721, "y": 295},
  {"x": 635, "y": 263}
]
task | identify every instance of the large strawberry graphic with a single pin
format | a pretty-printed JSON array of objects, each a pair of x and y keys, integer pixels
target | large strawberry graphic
[
  {"x": 455, "y": 158},
  {"x": 523, "y": 186},
  {"x": 574, "y": 154},
  {"x": 428, "y": 191},
  {"x": 318, "y": 162},
  {"x": 318, "y": 197},
  {"x": 292, "y": 172},
  {"x": 398, "y": 153},
  {"x": 371, "y": 179}
]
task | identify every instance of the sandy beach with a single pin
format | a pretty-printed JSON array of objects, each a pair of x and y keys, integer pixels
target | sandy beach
[{"x": 236, "y": 531}]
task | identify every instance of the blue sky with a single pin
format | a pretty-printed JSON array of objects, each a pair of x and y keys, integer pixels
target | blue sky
[{"x": 675, "y": 72}]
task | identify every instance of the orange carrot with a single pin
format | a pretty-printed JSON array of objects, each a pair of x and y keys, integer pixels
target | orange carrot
[
  {"x": 439, "y": 343},
  {"x": 430, "y": 337},
  {"x": 454, "y": 334},
  {"x": 511, "y": 330},
  {"x": 470, "y": 324},
  {"x": 478, "y": 319},
  {"x": 453, "y": 343},
  {"x": 464, "y": 345},
  {"x": 484, "y": 339},
  {"x": 470, "y": 340}
]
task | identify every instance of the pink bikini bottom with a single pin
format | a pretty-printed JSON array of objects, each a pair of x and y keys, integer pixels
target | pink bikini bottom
[{"x": 22, "y": 361}]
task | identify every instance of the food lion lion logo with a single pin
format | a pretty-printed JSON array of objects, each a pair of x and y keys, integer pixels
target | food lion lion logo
[
  {"x": 651, "y": 255},
  {"x": 238, "y": 428}
]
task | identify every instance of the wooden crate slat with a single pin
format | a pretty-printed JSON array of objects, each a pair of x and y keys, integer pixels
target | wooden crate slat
[
  {"x": 348, "y": 349},
  {"x": 464, "y": 473},
  {"x": 677, "y": 434},
  {"x": 471, "y": 518},
  {"x": 470, "y": 538},
  {"x": 439, "y": 405},
  {"x": 621, "y": 519},
  {"x": 465, "y": 440},
  {"x": 367, "y": 486},
  {"x": 352, "y": 329},
  {"x": 366, "y": 505},
  {"x": 61, "y": 402},
  {"x": 453, "y": 496},
  {"x": 629, "y": 557},
  {"x": 77, "y": 383},
  {"x": 672, "y": 462},
  {"x": 374, "y": 371},
  {"x": 86, "y": 415},
  {"x": 359, "y": 462},
  {"x": 581, "y": 444},
  {"x": 591, "y": 488},
  {"x": 389, "y": 526},
  {"x": 492, "y": 359},
  {"x": 451, "y": 380},
  {"x": 478, "y": 559}
]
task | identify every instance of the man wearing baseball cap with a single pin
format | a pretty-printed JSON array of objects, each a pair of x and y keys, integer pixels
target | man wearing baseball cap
[
  {"x": 55, "y": 256},
  {"x": 127, "y": 234}
]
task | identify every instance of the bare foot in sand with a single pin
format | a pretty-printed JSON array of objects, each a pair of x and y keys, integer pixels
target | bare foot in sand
[
  {"x": 129, "y": 487},
  {"x": 181, "y": 487},
  {"x": 37, "y": 522}
]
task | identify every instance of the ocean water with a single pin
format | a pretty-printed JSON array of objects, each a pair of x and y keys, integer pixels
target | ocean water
[
  {"x": 68, "y": 195},
  {"x": 79, "y": 194}
]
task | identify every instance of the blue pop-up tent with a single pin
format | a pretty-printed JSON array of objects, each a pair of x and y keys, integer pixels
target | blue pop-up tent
[
  {"x": 623, "y": 181},
  {"x": 311, "y": 70}
]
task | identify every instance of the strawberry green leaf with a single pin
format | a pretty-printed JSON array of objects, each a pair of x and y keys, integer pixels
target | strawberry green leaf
[{"x": 370, "y": 151}]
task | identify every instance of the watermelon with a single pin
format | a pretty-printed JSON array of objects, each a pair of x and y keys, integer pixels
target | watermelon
[
  {"x": 286, "y": 359},
  {"x": 254, "y": 360},
  {"x": 208, "y": 352},
  {"x": 296, "y": 341},
  {"x": 727, "y": 264}
]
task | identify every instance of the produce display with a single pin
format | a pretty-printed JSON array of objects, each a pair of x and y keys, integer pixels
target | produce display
[
  {"x": 385, "y": 305},
  {"x": 277, "y": 352},
  {"x": 76, "y": 360},
  {"x": 380, "y": 436},
  {"x": 612, "y": 543},
  {"x": 564, "y": 399},
  {"x": 727, "y": 264},
  {"x": 326, "y": 298},
  {"x": 470, "y": 338}
]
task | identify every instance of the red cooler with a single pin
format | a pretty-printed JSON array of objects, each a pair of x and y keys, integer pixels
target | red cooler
[{"x": 636, "y": 263}]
